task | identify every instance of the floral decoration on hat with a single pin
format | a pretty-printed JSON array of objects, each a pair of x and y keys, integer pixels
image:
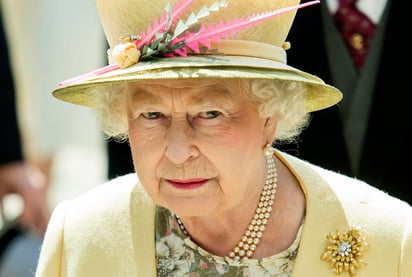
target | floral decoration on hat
[
  {"x": 345, "y": 250},
  {"x": 170, "y": 36}
]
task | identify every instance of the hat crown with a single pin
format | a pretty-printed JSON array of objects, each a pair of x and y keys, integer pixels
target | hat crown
[{"x": 122, "y": 18}]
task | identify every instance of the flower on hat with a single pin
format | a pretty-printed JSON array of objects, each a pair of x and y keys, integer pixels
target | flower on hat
[
  {"x": 170, "y": 36},
  {"x": 125, "y": 54},
  {"x": 345, "y": 250}
]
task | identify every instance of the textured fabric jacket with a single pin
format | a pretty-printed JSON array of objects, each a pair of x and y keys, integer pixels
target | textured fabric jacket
[{"x": 109, "y": 231}]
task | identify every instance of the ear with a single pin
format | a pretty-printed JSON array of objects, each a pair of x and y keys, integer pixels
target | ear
[{"x": 270, "y": 128}]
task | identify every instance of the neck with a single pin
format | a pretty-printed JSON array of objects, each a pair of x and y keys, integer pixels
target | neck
[
  {"x": 218, "y": 241},
  {"x": 281, "y": 229}
]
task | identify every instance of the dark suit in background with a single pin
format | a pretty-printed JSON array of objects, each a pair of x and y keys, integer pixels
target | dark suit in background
[{"x": 367, "y": 135}]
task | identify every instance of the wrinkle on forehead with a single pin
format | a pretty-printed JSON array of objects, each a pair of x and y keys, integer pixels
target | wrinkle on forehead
[{"x": 177, "y": 91}]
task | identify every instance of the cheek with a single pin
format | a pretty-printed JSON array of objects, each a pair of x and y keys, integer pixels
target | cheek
[
  {"x": 146, "y": 152},
  {"x": 237, "y": 151},
  {"x": 248, "y": 136},
  {"x": 243, "y": 150}
]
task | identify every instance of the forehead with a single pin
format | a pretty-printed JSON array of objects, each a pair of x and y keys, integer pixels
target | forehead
[{"x": 195, "y": 89}]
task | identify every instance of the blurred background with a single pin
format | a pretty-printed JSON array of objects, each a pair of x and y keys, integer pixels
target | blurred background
[{"x": 50, "y": 41}]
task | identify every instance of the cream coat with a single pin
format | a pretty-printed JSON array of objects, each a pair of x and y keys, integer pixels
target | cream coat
[{"x": 109, "y": 230}]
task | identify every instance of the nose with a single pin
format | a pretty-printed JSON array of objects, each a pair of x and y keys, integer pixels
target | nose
[{"x": 180, "y": 139}]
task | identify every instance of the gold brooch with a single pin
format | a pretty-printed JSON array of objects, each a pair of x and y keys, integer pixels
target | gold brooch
[{"x": 345, "y": 250}]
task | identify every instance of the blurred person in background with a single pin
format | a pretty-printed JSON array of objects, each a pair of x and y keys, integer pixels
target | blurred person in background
[
  {"x": 21, "y": 233},
  {"x": 37, "y": 34},
  {"x": 353, "y": 137}
]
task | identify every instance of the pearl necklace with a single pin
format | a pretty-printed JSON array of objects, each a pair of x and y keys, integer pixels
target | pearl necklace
[{"x": 250, "y": 240}]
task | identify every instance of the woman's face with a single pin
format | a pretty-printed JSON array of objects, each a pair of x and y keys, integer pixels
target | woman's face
[{"x": 197, "y": 145}]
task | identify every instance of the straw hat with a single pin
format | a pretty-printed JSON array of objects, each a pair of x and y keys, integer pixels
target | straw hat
[{"x": 252, "y": 45}]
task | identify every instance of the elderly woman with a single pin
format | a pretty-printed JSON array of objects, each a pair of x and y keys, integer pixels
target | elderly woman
[{"x": 211, "y": 196}]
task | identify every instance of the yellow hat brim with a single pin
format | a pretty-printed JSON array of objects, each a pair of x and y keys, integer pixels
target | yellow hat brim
[{"x": 318, "y": 95}]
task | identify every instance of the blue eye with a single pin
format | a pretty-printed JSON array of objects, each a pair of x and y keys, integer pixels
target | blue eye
[
  {"x": 209, "y": 114},
  {"x": 152, "y": 115}
]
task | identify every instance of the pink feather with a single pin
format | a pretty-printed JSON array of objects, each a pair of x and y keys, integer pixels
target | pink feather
[
  {"x": 94, "y": 73},
  {"x": 221, "y": 30},
  {"x": 159, "y": 25}
]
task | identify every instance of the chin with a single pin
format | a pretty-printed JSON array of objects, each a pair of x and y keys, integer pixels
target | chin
[{"x": 190, "y": 207}]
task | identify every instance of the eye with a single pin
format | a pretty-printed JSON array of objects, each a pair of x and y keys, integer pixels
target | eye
[
  {"x": 152, "y": 115},
  {"x": 209, "y": 114}
]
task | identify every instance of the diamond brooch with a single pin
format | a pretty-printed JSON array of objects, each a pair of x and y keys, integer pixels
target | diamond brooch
[{"x": 345, "y": 250}]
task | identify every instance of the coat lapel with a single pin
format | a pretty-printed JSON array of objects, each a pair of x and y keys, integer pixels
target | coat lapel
[{"x": 324, "y": 214}]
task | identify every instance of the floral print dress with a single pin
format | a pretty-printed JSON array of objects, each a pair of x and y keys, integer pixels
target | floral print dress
[{"x": 178, "y": 256}]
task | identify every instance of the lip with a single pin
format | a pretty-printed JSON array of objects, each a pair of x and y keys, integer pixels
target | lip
[{"x": 188, "y": 183}]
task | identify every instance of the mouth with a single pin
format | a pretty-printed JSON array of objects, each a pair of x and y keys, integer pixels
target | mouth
[{"x": 188, "y": 183}]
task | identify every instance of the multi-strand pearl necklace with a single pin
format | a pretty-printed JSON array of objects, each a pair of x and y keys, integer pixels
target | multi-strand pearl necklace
[{"x": 254, "y": 233}]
